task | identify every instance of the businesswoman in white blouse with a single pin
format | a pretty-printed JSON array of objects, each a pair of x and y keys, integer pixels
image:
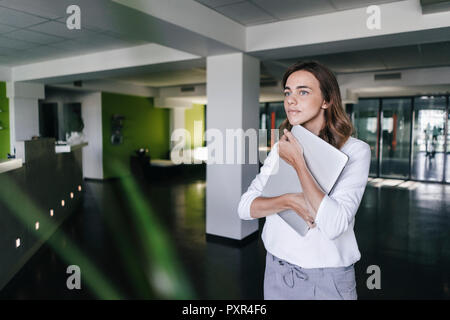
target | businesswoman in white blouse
[{"x": 319, "y": 265}]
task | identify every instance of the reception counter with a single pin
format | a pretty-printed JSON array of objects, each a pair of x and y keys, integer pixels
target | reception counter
[
  {"x": 69, "y": 147},
  {"x": 8, "y": 165},
  {"x": 32, "y": 190}
]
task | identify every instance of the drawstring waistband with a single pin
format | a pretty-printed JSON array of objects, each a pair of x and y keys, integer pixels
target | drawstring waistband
[
  {"x": 289, "y": 274},
  {"x": 291, "y": 271}
]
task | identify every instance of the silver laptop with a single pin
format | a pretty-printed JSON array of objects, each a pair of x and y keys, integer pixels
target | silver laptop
[{"x": 325, "y": 163}]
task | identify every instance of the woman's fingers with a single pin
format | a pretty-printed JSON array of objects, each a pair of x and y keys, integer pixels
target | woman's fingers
[
  {"x": 305, "y": 216},
  {"x": 290, "y": 138},
  {"x": 289, "y": 135}
]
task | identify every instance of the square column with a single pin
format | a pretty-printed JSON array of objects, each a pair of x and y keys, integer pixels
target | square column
[
  {"x": 233, "y": 103},
  {"x": 23, "y": 110}
]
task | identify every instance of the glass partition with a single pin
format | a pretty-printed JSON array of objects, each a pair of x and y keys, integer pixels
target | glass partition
[
  {"x": 447, "y": 154},
  {"x": 366, "y": 127},
  {"x": 395, "y": 138},
  {"x": 428, "y": 138},
  {"x": 407, "y": 135}
]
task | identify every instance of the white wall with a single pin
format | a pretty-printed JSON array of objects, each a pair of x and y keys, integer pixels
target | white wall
[
  {"x": 26, "y": 115},
  {"x": 91, "y": 112},
  {"x": 23, "y": 110},
  {"x": 5, "y": 73}
]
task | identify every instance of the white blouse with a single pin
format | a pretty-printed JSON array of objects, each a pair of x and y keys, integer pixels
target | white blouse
[{"x": 332, "y": 242}]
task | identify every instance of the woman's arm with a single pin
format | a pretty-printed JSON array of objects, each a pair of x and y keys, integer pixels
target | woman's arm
[
  {"x": 256, "y": 187},
  {"x": 311, "y": 189},
  {"x": 264, "y": 206},
  {"x": 253, "y": 206},
  {"x": 292, "y": 152}
]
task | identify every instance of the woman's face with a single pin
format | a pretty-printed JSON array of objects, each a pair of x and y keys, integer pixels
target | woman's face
[{"x": 303, "y": 101}]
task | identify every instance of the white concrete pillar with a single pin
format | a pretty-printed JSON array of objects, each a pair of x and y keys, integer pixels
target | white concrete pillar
[
  {"x": 176, "y": 122},
  {"x": 23, "y": 110},
  {"x": 91, "y": 112},
  {"x": 233, "y": 103}
]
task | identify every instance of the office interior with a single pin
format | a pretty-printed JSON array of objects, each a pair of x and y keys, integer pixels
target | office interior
[{"x": 87, "y": 122}]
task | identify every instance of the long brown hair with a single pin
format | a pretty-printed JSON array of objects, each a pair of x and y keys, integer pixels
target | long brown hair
[{"x": 338, "y": 126}]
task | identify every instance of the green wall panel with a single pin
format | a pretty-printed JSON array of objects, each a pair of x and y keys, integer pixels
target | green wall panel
[
  {"x": 4, "y": 122},
  {"x": 196, "y": 113},
  {"x": 144, "y": 126}
]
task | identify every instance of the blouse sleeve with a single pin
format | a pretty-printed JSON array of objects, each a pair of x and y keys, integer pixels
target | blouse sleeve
[
  {"x": 337, "y": 210},
  {"x": 257, "y": 185}
]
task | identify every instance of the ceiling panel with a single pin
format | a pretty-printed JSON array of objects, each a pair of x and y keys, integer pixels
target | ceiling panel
[
  {"x": 58, "y": 29},
  {"x": 17, "y": 18},
  {"x": 217, "y": 3},
  {"x": 70, "y": 45},
  {"x": 401, "y": 57},
  {"x": 15, "y": 44},
  {"x": 50, "y": 9},
  {"x": 439, "y": 53},
  {"x": 253, "y": 12},
  {"x": 8, "y": 51},
  {"x": 104, "y": 41},
  {"x": 347, "y": 61},
  {"x": 5, "y": 28},
  {"x": 41, "y": 53},
  {"x": 73, "y": 47},
  {"x": 25, "y": 26},
  {"x": 351, "y": 4},
  {"x": 289, "y": 9},
  {"x": 124, "y": 38},
  {"x": 167, "y": 78},
  {"x": 414, "y": 56},
  {"x": 33, "y": 36},
  {"x": 245, "y": 13}
]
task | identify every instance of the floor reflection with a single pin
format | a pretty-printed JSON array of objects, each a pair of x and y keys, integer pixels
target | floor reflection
[{"x": 401, "y": 226}]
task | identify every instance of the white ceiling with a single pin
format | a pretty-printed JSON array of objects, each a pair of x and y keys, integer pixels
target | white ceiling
[
  {"x": 33, "y": 31},
  {"x": 167, "y": 78},
  {"x": 164, "y": 75},
  {"x": 385, "y": 59},
  {"x": 254, "y": 12}
]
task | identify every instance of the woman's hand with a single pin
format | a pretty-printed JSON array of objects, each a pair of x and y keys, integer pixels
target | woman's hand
[
  {"x": 298, "y": 203},
  {"x": 289, "y": 149}
]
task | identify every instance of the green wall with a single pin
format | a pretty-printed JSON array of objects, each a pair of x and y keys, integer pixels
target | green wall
[
  {"x": 144, "y": 127},
  {"x": 196, "y": 113},
  {"x": 4, "y": 122}
]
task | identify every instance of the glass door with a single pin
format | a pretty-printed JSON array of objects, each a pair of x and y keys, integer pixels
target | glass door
[
  {"x": 395, "y": 137},
  {"x": 366, "y": 127},
  {"x": 447, "y": 153},
  {"x": 428, "y": 138}
]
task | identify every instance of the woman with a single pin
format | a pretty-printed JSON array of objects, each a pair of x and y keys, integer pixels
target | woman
[{"x": 319, "y": 265}]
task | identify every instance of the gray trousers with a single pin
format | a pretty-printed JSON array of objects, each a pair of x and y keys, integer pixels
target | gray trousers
[{"x": 286, "y": 281}]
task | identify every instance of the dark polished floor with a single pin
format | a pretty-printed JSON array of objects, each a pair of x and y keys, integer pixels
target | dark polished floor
[{"x": 404, "y": 230}]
